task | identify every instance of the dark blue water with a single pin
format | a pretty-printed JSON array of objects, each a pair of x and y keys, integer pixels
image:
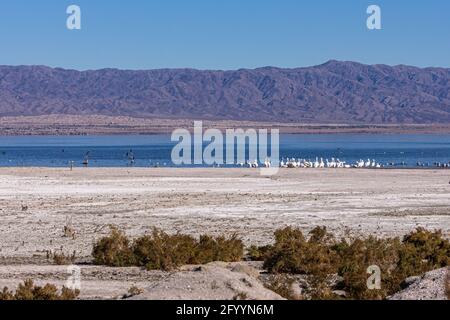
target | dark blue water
[{"x": 155, "y": 150}]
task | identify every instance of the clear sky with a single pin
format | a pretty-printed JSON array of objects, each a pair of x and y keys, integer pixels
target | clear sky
[{"x": 222, "y": 34}]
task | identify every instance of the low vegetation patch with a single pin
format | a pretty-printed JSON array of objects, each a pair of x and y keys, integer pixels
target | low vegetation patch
[
  {"x": 60, "y": 258},
  {"x": 293, "y": 253},
  {"x": 227, "y": 249},
  {"x": 321, "y": 255},
  {"x": 257, "y": 253},
  {"x": 114, "y": 250},
  {"x": 161, "y": 251},
  {"x": 28, "y": 291},
  {"x": 333, "y": 268},
  {"x": 283, "y": 284}
]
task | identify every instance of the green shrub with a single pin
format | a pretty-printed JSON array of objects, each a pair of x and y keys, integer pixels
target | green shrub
[
  {"x": 60, "y": 258},
  {"x": 282, "y": 284},
  {"x": 431, "y": 248},
  {"x": 419, "y": 252},
  {"x": 293, "y": 253},
  {"x": 113, "y": 250},
  {"x": 6, "y": 295},
  {"x": 28, "y": 291},
  {"x": 160, "y": 251},
  {"x": 218, "y": 249},
  {"x": 163, "y": 252},
  {"x": 321, "y": 256},
  {"x": 255, "y": 253},
  {"x": 354, "y": 259}
]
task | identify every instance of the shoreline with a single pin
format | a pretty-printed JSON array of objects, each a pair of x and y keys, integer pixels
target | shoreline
[
  {"x": 71, "y": 125},
  {"x": 245, "y": 169}
]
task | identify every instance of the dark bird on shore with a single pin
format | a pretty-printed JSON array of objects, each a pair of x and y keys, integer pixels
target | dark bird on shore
[{"x": 86, "y": 159}]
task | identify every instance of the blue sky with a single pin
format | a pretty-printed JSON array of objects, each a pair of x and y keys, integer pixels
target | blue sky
[{"x": 225, "y": 34}]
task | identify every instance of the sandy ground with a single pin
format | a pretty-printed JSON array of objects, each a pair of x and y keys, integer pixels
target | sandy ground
[
  {"x": 36, "y": 204},
  {"x": 430, "y": 286},
  {"x": 216, "y": 201}
]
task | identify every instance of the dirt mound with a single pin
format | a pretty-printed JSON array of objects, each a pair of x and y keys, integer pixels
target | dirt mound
[
  {"x": 430, "y": 286},
  {"x": 214, "y": 281}
]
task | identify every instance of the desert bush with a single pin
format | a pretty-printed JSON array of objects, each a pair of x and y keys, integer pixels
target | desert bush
[
  {"x": 282, "y": 256},
  {"x": 357, "y": 255},
  {"x": 418, "y": 252},
  {"x": 293, "y": 253},
  {"x": 28, "y": 291},
  {"x": 258, "y": 253},
  {"x": 6, "y": 295},
  {"x": 321, "y": 255},
  {"x": 161, "y": 251},
  {"x": 164, "y": 252},
  {"x": 60, "y": 258},
  {"x": 69, "y": 232},
  {"x": 113, "y": 250},
  {"x": 218, "y": 249},
  {"x": 282, "y": 284},
  {"x": 425, "y": 250}
]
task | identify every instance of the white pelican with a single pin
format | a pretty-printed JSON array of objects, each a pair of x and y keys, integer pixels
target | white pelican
[{"x": 321, "y": 163}]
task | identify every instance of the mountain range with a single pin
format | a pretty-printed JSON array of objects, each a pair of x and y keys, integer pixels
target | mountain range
[{"x": 334, "y": 92}]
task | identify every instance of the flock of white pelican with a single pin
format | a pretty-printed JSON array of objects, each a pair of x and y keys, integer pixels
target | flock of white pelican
[
  {"x": 336, "y": 163},
  {"x": 318, "y": 163}
]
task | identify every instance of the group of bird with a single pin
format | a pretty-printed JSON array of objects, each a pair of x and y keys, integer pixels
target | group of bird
[
  {"x": 318, "y": 163},
  {"x": 334, "y": 163}
]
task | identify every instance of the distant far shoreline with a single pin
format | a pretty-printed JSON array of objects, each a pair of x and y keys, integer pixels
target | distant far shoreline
[{"x": 60, "y": 125}]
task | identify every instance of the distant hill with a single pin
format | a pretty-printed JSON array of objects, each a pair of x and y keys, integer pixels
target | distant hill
[{"x": 335, "y": 92}]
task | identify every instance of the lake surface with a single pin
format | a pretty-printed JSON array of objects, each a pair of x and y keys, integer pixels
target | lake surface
[{"x": 155, "y": 150}]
